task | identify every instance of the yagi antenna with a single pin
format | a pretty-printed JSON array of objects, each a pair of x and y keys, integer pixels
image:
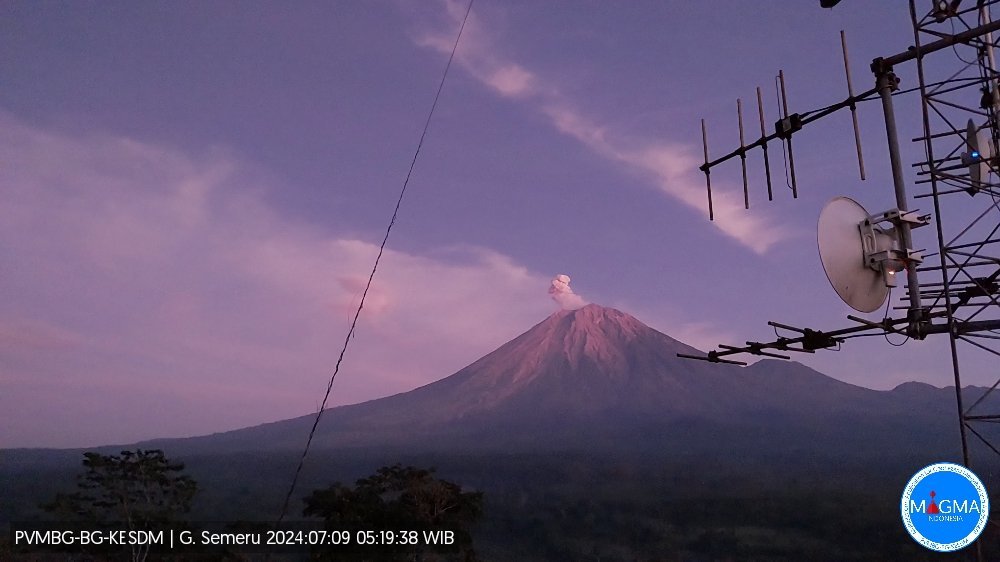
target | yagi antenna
[{"x": 786, "y": 126}]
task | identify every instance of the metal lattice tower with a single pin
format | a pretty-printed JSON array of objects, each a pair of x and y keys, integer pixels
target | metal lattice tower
[
  {"x": 960, "y": 282},
  {"x": 953, "y": 290}
]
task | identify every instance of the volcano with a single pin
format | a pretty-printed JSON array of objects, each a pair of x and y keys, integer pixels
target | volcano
[
  {"x": 588, "y": 418},
  {"x": 598, "y": 377}
]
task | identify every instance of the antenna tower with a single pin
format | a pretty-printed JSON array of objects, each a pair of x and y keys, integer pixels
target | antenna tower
[{"x": 953, "y": 291}]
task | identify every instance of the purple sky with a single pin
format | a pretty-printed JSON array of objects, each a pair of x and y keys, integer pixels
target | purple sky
[{"x": 193, "y": 193}]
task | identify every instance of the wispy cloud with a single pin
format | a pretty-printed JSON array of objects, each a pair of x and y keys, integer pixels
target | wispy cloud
[
  {"x": 670, "y": 167},
  {"x": 24, "y": 337},
  {"x": 155, "y": 293}
]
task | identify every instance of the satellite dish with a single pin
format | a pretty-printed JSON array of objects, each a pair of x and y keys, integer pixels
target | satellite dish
[
  {"x": 977, "y": 158},
  {"x": 844, "y": 251}
]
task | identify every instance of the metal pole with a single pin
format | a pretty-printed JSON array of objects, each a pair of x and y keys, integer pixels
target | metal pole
[
  {"x": 788, "y": 141},
  {"x": 886, "y": 82},
  {"x": 708, "y": 172},
  {"x": 763, "y": 133},
  {"x": 854, "y": 110},
  {"x": 984, "y": 16},
  {"x": 743, "y": 155},
  {"x": 943, "y": 43},
  {"x": 984, "y": 11}
]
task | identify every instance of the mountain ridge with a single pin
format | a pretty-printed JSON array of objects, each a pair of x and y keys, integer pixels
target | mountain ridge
[
  {"x": 593, "y": 376},
  {"x": 597, "y": 376}
]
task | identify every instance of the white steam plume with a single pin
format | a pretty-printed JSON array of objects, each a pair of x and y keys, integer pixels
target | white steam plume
[{"x": 564, "y": 295}]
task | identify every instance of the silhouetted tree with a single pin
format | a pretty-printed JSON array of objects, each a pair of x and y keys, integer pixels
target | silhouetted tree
[
  {"x": 136, "y": 487},
  {"x": 136, "y": 490},
  {"x": 398, "y": 498}
]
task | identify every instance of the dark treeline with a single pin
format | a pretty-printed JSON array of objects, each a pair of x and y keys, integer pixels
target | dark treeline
[{"x": 580, "y": 506}]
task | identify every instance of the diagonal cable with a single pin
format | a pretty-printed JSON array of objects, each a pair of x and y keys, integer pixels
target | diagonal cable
[{"x": 388, "y": 230}]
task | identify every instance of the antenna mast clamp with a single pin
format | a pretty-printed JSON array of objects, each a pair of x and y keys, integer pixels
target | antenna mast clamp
[
  {"x": 788, "y": 125},
  {"x": 883, "y": 247},
  {"x": 882, "y": 69}
]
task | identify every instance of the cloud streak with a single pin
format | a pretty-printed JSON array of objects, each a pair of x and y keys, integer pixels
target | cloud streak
[
  {"x": 670, "y": 167},
  {"x": 155, "y": 293}
]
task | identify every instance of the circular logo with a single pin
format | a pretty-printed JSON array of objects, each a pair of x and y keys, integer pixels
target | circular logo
[{"x": 945, "y": 507}]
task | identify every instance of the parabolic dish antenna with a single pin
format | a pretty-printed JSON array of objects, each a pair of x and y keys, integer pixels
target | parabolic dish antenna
[
  {"x": 977, "y": 157},
  {"x": 842, "y": 251}
]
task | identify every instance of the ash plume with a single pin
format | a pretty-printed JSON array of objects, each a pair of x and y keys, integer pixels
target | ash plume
[{"x": 563, "y": 294}]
